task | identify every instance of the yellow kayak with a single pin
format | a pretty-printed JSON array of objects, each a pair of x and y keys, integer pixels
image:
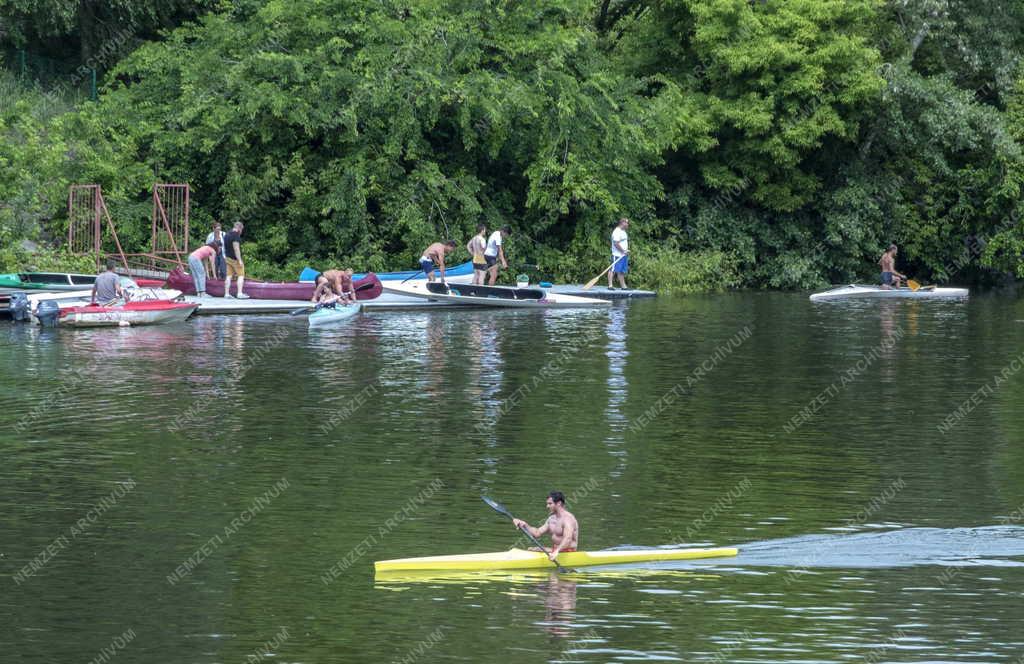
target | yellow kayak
[{"x": 520, "y": 559}]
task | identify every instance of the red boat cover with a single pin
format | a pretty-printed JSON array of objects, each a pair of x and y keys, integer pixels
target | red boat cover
[
  {"x": 367, "y": 288},
  {"x": 144, "y": 305}
]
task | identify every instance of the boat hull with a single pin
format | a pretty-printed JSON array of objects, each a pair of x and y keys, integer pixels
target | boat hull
[
  {"x": 367, "y": 288},
  {"x": 326, "y": 316},
  {"x": 858, "y": 291},
  {"x": 493, "y": 296},
  {"x": 518, "y": 559},
  {"x": 150, "y": 312}
]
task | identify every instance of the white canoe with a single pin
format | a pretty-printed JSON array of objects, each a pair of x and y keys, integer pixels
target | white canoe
[
  {"x": 325, "y": 316},
  {"x": 860, "y": 291},
  {"x": 492, "y": 296}
]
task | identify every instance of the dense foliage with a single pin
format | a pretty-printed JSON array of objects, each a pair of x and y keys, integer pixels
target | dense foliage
[{"x": 776, "y": 143}]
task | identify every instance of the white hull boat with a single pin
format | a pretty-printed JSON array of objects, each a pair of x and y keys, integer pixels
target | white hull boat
[
  {"x": 861, "y": 291},
  {"x": 152, "y": 312},
  {"x": 492, "y": 296}
]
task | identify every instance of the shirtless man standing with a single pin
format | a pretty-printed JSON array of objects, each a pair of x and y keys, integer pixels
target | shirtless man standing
[
  {"x": 434, "y": 256},
  {"x": 890, "y": 277},
  {"x": 561, "y": 525}
]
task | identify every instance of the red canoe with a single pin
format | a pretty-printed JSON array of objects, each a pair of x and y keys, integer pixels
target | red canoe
[
  {"x": 145, "y": 312},
  {"x": 367, "y": 288}
]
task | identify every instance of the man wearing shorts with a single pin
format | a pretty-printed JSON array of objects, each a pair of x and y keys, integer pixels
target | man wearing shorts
[
  {"x": 233, "y": 256},
  {"x": 620, "y": 254},
  {"x": 476, "y": 247},
  {"x": 434, "y": 255},
  {"x": 496, "y": 252},
  {"x": 890, "y": 277}
]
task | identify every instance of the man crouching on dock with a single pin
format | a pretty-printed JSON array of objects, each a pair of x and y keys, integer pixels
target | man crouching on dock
[{"x": 561, "y": 525}]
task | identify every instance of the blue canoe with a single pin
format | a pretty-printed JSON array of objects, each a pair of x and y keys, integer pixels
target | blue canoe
[{"x": 463, "y": 270}]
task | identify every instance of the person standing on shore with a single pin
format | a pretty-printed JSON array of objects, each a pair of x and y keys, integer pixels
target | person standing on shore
[
  {"x": 620, "y": 254},
  {"x": 195, "y": 265},
  {"x": 476, "y": 247},
  {"x": 233, "y": 256},
  {"x": 217, "y": 235},
  {"x": 495, "y": 252}
]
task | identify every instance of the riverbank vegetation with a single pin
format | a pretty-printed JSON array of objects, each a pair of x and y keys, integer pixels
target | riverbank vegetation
[{"x": 764, "y": 143}]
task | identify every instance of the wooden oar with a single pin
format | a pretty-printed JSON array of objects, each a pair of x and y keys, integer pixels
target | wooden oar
[
  {"x": 590, "y": 284},
  {"x": 500, "y": 509}
]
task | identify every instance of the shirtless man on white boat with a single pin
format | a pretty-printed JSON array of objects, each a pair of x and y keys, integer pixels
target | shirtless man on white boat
[
  {"x": 561, "y": 526},
  {"x": 890, "y": 277}
]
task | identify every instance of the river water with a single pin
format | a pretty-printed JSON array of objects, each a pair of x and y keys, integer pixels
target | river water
[{"x": 217, "y": 491}]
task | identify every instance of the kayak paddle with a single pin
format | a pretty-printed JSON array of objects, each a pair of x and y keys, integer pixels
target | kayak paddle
[
  {"x": 590, "y": 284},
  {"x": 500, "y": 509},
  {"x": 913, "y": 284},
  {"x": 312, "y": 307}
]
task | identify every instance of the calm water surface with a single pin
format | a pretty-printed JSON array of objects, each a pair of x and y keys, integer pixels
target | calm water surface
[{"x": 217, "y": 491}]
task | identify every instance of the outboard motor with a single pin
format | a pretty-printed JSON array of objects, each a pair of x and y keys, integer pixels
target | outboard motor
[
  {"x": 48, "y": 313},
  {"x": 19, "y": 306}
]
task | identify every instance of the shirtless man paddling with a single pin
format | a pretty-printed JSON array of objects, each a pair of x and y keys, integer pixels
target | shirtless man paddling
[{"x": 561, "y": 526}]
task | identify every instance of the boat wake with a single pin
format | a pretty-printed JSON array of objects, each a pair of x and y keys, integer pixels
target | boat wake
[{"x": 994, "y": 546}]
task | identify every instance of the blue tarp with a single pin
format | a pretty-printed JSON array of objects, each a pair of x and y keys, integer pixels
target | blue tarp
[{"x": 309, "y": 274}]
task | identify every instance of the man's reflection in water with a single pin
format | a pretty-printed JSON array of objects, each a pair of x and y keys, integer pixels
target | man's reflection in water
[{"x": 559, "y": 604}]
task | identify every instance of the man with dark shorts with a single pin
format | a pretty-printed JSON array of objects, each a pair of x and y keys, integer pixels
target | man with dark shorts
[
  {"x": 495, "y": 252},
  {"x": 334, "y": 285},
  {"x": 561, "y": 526},
  {"x": 890, "y": 277},
  {"x": 620, "y": 254},
  {"x": 434, "y": 255},
  {"x": 476, "y": 247}
]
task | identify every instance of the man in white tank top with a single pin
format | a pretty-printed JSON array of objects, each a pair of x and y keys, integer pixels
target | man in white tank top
[{"x": 620, "y": 254}]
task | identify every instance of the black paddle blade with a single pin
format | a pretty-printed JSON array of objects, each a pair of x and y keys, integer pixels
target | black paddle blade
[{"x": 496, "y": 506}]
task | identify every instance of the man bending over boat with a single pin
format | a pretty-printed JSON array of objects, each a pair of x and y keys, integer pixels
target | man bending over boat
[
  {"x": 334, "y": 285},
  {"x": 561, "y": 525},
  {"x": 890, "y": 277},
  {"x": 434, "y": 256}
]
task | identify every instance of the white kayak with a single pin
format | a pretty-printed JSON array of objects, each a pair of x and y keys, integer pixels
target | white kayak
[
  {"x": 333, "y": 315},
  {"x": 492, "y": 296},
  {"x": 860, "y": 291}
]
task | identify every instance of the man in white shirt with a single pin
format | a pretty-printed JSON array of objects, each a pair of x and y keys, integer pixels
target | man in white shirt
[
  {"x": 620, "y": 254},
  {"x": 495, "y": 252}
]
